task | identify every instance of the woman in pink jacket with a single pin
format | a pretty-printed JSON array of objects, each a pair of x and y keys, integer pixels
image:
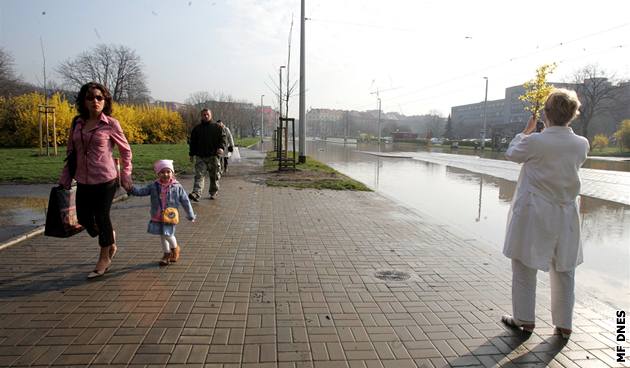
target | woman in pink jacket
[{"x": 92, "y": 138}]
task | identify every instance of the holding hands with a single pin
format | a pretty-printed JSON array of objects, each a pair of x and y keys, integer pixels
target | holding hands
[{"x": 126, "y": 183}]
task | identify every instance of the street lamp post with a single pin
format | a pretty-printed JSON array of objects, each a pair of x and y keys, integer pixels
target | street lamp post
[
  {"x": 262, "y": 121},
  {"x": 379, "y": 124},
  {"x": 302, "y": 113},
  {"x": 378, "y": 98},
  {"x": 485, "y": 102}
]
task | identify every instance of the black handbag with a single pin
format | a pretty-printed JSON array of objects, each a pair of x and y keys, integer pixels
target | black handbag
[{"x": 61, "y": 215}]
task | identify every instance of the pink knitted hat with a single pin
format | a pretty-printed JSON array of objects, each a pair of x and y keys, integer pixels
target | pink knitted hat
[{"x": 163, "y": 164}]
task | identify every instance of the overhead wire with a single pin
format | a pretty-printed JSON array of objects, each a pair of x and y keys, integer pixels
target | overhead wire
[{"x": 553, "y": 46}]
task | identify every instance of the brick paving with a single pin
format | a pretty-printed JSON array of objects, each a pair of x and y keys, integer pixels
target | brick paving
[{"x": 278, "y": 277}]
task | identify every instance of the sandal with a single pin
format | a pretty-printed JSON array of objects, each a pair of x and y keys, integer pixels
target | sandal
[
  {"x": 94, "y": 274},
  {"x": 564, "y": 332},
  {"x": 515, "y": 323}
]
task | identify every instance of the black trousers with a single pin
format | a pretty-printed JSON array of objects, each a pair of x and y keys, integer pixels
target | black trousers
[
  {"x": 94, "y": 202},
  {"x": 225, "y": 163}
]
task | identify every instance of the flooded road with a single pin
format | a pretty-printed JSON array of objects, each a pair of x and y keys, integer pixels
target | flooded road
[{"x": 478, "y": 204}]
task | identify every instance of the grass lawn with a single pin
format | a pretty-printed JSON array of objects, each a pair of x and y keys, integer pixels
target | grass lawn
[
  {"x": 311, "y": 174},
  {"x": 609, "y": 151},
  {"x": 24, "y": 165}
]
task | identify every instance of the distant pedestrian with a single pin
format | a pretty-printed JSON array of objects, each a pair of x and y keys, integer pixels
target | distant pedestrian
[
  {"x": 93, "y": 135},
  {"x": 543, "y": 227},
  {"x": 230, "y": 147},
  {"x": 207, "y": 143},
  {"x": 167, "y": 194}
]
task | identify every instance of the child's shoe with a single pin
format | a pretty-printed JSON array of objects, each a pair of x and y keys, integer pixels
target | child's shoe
[
  {"x": 165, "y": 259},
  {"x": 174, "y": 255}
]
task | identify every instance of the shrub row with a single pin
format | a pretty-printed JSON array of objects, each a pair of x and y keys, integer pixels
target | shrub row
[{"x": 19, "y": 121}]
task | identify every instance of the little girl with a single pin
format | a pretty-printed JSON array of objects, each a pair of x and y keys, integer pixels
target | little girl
[{"x": 165, "y": 192}]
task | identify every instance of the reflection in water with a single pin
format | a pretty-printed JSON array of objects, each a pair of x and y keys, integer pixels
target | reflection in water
[
  {"x": 479, "y": 204},
  {"x": 480, "y": 192},
  {"x": 22, "y": 211},
  {"x": 623, "y": 165}
]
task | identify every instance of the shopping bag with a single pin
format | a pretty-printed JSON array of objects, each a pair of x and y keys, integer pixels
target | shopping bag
[
  {"x": 236, "y": 155},
  {"x": 61, "y": 216}
]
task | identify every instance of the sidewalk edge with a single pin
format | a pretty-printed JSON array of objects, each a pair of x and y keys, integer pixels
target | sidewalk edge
[{"x": 40, "y": 230}]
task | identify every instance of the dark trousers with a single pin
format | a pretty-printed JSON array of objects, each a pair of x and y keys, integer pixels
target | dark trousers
[
  {"x": 225, "y": 163},
  {"x": 94, "y": 202}
]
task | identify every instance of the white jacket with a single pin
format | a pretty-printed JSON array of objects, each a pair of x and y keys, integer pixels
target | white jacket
[
  {"x": 543, "y": 222},
  {"x": 230, "y": 142}
]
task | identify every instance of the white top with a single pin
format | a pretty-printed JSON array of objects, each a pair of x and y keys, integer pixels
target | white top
[
  {"x": 230, "y": 142},
  {"x": 543, "y": 222}
]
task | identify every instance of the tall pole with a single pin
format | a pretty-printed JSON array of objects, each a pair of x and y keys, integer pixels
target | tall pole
[
  {"x": 302, "y": 116},
  {"x": 379, "y": 124},
  {"x": 262, "y": 121},
  {"x": 485, "y": 102}
]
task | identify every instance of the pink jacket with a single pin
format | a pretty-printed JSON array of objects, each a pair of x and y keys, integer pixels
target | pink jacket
[{"x": 95, "y": 148}]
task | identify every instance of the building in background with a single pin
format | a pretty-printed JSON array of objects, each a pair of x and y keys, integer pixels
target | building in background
[{"x": 507, "y": 116}]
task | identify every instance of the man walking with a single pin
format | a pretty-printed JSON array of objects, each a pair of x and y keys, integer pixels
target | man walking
[{"x": 207, "y": 142}]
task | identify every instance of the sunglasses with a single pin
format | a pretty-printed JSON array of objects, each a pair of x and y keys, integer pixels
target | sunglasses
[{"x": 97, "y": 98}]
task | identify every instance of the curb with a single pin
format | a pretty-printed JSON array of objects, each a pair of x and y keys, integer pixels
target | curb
[{"x": 40, "y": 230}]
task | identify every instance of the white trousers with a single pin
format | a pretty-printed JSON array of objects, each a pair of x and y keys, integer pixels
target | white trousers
[
  {"x": 168, "y": 242},
  {"x": 524, "y": 294}
]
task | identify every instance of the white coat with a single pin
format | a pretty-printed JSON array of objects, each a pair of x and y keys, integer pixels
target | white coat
[
  {"x": 230, "y": 142},
  {"x": 543, "y": 221}
]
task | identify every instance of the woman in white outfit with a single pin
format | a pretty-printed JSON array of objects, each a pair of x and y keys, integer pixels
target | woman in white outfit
[{"x": 543, "y": 228}]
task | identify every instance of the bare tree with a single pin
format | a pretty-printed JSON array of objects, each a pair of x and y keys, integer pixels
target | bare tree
[
  {"x": 596, "y": 93},
  {"x": 117, "y": 67},
  {"x": 198, "y": 99},
  {"x": 10, "y": 84}
]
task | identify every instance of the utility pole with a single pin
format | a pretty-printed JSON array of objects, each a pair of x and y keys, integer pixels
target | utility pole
[
  {"x": 262, "y": 120},
  {"x": 485, "y": 102},
  {"x": 302, "y": 114},
  {"x": 378, "y": 98},
  {"x": 379, "y": 124}
]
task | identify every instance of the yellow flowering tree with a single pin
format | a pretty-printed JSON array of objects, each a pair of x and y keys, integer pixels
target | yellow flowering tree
[
  {"x": 623, "y": 134},
  {"x": 19, "y": 121},
  {"x": 128, "y": 118},
  {"x": 600, "y": 142},
  {"x": 537, "y": 90}
]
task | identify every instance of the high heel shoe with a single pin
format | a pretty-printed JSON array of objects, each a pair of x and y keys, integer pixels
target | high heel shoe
[
  {"x": 96, "y": 273},
  {"x": 112, "y": 251},
  {"x": 113, "y": 248},
  {"x": 564, "y": 332}
]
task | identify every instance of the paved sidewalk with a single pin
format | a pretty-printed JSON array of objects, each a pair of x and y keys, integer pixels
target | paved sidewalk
[{"x": 277, "y": 277}]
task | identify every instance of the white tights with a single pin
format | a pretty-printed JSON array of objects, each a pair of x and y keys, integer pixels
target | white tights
[
  {"x": 524, "y": 294},
  {"x": 168, "y": 242}
]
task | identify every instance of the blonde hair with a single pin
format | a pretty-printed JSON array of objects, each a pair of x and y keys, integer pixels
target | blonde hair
[{"x": 562, "y": 106}]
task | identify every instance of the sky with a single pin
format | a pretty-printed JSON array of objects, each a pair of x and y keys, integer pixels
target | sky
[{"x": 422, "y": 56}]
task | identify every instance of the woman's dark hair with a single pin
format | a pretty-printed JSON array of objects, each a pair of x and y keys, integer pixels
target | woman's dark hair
[{"x": 85, "y": 89}]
